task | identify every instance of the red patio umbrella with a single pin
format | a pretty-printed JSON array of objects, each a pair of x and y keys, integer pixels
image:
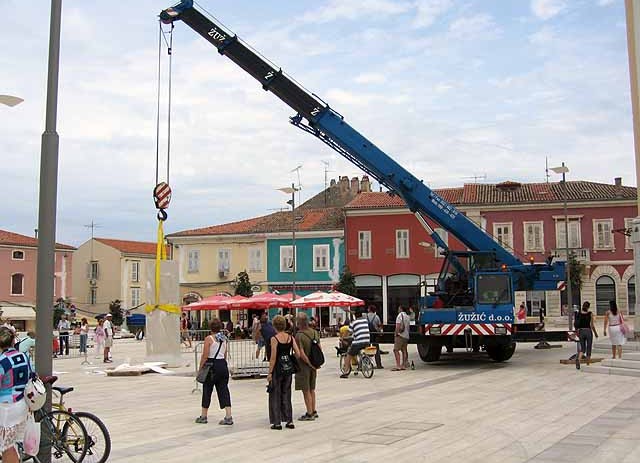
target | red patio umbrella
[
  {"x": 208, "y": 303},
  {"x": 266, "y": 301},
  {"x": 234, "y": 303}
]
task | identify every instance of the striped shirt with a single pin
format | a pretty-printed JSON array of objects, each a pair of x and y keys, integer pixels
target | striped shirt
[{"x": 360, "y": 330}]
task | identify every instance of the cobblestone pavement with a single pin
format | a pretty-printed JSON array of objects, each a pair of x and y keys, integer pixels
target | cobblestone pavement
[{"x": 530, "y": 409}]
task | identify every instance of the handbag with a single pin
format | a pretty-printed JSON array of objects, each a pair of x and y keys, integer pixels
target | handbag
[
  {"x": 203, "y": 373},
  {"x": 35, "y": 392},
  {"x": 288, "y": 364}
]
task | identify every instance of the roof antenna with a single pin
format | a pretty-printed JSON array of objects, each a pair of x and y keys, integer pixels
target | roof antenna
[
  {"x": 475, "y": 178},
  {"x": 92, "y": 226},
  {"x": 299, "y": 187},
  {"x": 546, "y": 168}
]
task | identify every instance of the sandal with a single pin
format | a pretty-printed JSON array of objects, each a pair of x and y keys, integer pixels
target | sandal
[
  {"x": 396, "y": 369},
  {"x": 290, "y": 426},
  {"x": 276, "y": 426}
]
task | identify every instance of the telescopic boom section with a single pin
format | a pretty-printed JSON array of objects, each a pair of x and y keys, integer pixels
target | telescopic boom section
[{"x": 330, "y": 127}]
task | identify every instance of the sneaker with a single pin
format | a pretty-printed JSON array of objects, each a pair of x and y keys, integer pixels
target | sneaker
[
  {"x": 202, "y": 420},
  {"x": 226, "y": 421},
  {"x": 306, "y": 417},
  {"x": 315, "y": 415},
  {"x": 277, "y": 427}
]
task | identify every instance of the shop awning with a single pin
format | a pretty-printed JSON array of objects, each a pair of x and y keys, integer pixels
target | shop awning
[{"x": 17, "y": 312}]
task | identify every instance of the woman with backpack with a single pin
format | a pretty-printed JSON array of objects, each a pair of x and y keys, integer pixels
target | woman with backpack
[
  {"x": 309, "y": 341},
  {"x": 282, "y": 366}
]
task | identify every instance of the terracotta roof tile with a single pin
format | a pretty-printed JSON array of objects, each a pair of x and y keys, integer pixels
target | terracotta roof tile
[
  {"x": 130, "y": 247},
  {"x": 507, "y": 193},
  {"x": 9, "y": 238}
]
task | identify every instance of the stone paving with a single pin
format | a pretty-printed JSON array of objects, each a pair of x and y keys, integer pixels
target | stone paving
[{"x": 530, "y": 409}]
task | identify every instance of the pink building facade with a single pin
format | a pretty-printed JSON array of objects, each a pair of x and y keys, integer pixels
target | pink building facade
[
  {"x": 527, "y": 218},
  {"x": 18, "y": 259}
]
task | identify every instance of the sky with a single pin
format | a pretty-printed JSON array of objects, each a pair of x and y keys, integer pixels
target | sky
[{"x": 452, "y": 90}]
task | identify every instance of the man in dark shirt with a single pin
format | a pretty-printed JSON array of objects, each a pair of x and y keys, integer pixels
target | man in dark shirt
[{"x": 267, "y": 331}]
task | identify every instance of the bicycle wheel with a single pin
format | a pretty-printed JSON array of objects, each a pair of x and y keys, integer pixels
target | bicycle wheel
[
  {"x": 98, "y": 438},
  {"x": 366, "y": 365},
  {"x": 67, "y": 435}
]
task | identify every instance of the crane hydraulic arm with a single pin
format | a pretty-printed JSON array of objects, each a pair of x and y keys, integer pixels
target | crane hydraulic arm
[{"x": 316, "y": 117}]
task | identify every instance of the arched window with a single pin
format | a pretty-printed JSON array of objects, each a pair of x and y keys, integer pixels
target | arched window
[
  {"x": 631, "y": 290},
  {"x": 17, "y": 255},
  {"x": 17, "y": 284},
  {"x": 605, "y": 292}
]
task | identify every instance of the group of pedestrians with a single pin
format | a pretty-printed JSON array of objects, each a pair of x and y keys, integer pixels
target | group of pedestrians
[
  {"x": 614, "y": 324},
  {"x": 288, "y": 357}
]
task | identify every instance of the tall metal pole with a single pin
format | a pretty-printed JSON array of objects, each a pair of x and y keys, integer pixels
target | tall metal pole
[
  {"x": 633, "y": 46},
  {"x": 47, "y": 218},
  {"x": 566, "y": 250},
  {"x": 293, "y": 238}
]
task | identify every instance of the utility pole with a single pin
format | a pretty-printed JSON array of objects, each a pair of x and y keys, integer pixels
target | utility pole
[
  {"x": 632, "y": 9},
  {"x": 47, "y": 219}
]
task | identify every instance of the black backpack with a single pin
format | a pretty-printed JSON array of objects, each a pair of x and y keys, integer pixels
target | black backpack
[{"x": 316, "y": 356}]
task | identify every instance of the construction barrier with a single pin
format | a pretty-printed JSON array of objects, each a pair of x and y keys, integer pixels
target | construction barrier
[{"x": 243, "y": 362}]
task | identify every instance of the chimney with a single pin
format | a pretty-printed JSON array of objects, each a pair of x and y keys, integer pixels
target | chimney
[
  {"x": 618, "y": 181},
  {"x": 344, "y": 184},
  {"x": 365, "y": 184},
  {"x": 332, "y": 183},
  {"x": 355, "y": 185}
]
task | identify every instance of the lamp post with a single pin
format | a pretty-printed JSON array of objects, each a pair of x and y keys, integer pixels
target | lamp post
[
  {"x": 10, "y": 100},
  {"x": 292, "y": 202},
  {"x": 563, "y": 170}
]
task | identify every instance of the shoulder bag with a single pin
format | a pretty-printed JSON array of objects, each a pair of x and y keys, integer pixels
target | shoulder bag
[
  {"x": 287, "y": 363},
  {"x": 207, "y": 369},
  {"x": 35, "y": 392}
]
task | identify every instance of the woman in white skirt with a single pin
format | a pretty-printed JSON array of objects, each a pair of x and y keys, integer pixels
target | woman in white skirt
[
  {"x": 613, "y": 319},
  {"x": 14, "y": 375}
]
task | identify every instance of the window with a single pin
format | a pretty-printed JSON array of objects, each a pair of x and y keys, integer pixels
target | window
[
  {"x": 320, "y": 257},
  {"x": 503, "y": 233},
  {"x": 17, "y": 255},
  {"x": 494, "y": 289},
  {"x": 402, "y": 244},
  {"x": 224, "y": 260},
  {"x": 255, "y": 259},
  {"x": 364, "y": 245},
  {"x": 135, "y": 271},
  {"x": 444, "y": 236},
  {"x": 602, "y": 237},
  {"x": 605, "y": 292},
  {"x": 536, "y": 301},
  {"x": 286, "y": 258},
  {"x": 533, "y": 237},
  {"x": 631, "y": 291},
  {"x": 93, "y": 272},
  {"x": 93, "y": 296},
  {"x": 575, "y": 240},
  {"x": 628, "y": 224},
  {"x": 194, "y": 261},
  {"x": 17, "y": 284},
  {"x": 135, "y": 297}
]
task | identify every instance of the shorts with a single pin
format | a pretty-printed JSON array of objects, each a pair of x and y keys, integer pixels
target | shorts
[
  {"x": 13, "y": 418},
  {"x": 108, "y": 342},
  {"x": 400, "y": 343},
  {"x": 260, "y": 343},
  {"x": 355, "y": 348},
  {"x": 306, "y": 378}
]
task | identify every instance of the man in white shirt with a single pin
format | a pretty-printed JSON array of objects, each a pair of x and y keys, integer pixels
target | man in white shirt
[
  {"x": 401, "y": 340},
  {"x": 63, "y": 331},
  {"x": 108, "y": 340}
]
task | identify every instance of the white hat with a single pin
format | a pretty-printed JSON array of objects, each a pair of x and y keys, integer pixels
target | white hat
[{"x": 108, "y": 315}]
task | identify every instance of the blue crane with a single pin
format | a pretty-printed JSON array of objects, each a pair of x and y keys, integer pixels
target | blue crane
[{"x": 476, "y": 285}]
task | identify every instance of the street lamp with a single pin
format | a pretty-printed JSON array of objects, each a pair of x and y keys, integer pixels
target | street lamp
[
  {"x": 563, "y": 170},
  {"x": 10, "y": 100},
  {"x": 292, "y": 202}
]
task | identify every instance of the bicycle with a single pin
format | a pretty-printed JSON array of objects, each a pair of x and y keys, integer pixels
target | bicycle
[
  {"x": 98, "y": 439},
  {"x": 363, "y": 364}
]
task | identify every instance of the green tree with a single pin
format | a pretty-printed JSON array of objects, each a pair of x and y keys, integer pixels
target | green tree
[
  {"x": 115, "y": 308},
  {"x": 243, "y": 285},
  {"x": 576, "y": 269},
  {"x": 347, "y": 283}
]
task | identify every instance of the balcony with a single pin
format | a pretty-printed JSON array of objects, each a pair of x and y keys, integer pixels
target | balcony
[{"x": 582, "y": 255}]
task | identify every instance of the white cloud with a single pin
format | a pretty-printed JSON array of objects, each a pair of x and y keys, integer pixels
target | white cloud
[
  {"x": 370, "y": 78},
  {"x": 355, "y": 9},
  {"x": 542, "y": 37},
  {"x": 606, "y": 2},
  {"x": 547, "y": 9},
  {"x": 428, "y": 11},
  {"x": 479, "y": 25}
]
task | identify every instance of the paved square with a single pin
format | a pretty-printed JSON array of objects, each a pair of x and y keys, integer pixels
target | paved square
[{"x": 530, "y": 409}]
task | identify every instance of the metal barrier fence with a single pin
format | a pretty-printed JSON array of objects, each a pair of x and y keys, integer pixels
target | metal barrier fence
[
  {"x": 69, "y": 346},
  {"x": 243, "y": 362}
]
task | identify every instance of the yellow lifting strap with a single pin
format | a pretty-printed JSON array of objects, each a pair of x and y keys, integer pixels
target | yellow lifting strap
[{"x": 161, "y": 254}]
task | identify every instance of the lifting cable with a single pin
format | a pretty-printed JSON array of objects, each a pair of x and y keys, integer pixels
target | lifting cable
[{"x": 162, "y": 190}]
